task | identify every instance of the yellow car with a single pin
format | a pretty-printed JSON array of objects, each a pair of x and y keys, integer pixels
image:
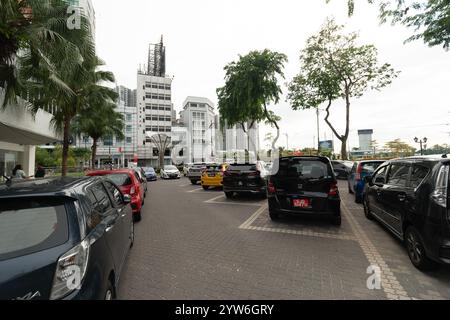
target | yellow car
[{"x": 212, "y": 176}]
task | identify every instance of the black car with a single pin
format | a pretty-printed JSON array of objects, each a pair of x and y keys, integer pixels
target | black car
[
  {"x": 63, "y": 238},
  {"x": 304, "y": 186},
  {"x": 341, "y": 168},
  {"x": 245, "y": 179},
  {"x": 410, "y": 197}
]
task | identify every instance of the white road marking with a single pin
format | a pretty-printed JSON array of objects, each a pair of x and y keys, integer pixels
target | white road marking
[
  {"x": 253, "y": 217},
  {"x": 389, "y": 283},
  {"x": 214, "y": 199},
  {"x": 195, "y": 190}
]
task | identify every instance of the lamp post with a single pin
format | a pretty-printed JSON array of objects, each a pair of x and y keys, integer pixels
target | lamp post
[
  {"x": 287, "y": 141},
  {"x": 422, "y": 143}
]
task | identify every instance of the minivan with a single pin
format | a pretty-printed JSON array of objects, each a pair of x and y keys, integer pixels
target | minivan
[{"x": 410, "y": 197}]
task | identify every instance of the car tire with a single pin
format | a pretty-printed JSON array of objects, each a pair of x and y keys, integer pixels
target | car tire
[
  {"x": 137, "y": 217},
  {"x": 229, "y": 195},
  {"x": 206, "y": 188},
  {"x": 274, "y": 215},
  {"x": 110, "y": 292},
  {"x": 367, "y": 211},
  {"x": 416, "y": 250},
  {"x": 132, "y": 235},
  {"x": 336, "y": 220}
]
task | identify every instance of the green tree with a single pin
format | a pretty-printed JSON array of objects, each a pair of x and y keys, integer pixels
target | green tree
[
  {"x": 33, "y": 34},
  {"x": 250, "y": 85},
  {"x": 334, "y": 67},
  {"x": 429, "y": 19},
  {"x": 399, "y": 148},
  {"x": 438, "y": 149},
  {"x": 98, "y": 122}
]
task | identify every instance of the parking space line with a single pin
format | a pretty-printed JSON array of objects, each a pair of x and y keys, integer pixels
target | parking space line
[
  {"x": 389, "y": 283},
  {"x": 250, "y": 204},
  {"x": 214, "y": 199},
  {"x": 253, "y": 217},
  {"x": 195, "y": 190}
]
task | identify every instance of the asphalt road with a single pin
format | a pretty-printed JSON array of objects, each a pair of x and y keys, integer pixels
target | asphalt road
[{"x": 195, "y": 244}]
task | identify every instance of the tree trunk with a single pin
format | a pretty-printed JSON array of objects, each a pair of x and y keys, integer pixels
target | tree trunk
[
  {"x": 344, "y": 155},
  {"x": 94, "y": 153},
  {"x": 65, "y": 150}
]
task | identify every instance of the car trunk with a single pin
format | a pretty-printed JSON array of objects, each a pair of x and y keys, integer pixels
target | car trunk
[
  {"x": 33, "y": 235},
  {"x": 303, "y": 184},
  {"x": 242, "y": 176}
]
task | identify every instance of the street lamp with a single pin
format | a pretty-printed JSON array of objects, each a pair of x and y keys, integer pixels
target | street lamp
[
  {"x": 422, "y": 142},
  {"x": 287, "y": 141}
]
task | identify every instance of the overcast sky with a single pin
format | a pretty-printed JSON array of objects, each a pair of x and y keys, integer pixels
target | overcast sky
[{"x": 202, "y": 36}]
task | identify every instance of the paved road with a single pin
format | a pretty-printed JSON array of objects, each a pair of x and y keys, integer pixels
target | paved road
[{"x": 193, "y": 244}]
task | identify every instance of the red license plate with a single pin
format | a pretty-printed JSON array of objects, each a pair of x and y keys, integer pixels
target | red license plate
[{"x": 300, "y": 203}]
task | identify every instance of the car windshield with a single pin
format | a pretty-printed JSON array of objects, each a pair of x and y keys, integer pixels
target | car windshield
[
  {"x": 120, "y": 179},
  {"x": 170, "y": 168},
  {"x": 370, "y": 167},
  {"x": 242, "y": 167},
  {"x": 149, "y": 170},
  {"x": 304, "y": 168},
  {"x": 29, "y": 225}
]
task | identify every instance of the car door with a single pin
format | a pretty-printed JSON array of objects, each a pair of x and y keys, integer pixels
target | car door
[
  {"x": 351, "y": 177},
  {"x": 111, "y": 222},
  {"x": 124, "y": 215},
  {"x": 394, "y": 195},
  {"x": 374, "y": 191}
]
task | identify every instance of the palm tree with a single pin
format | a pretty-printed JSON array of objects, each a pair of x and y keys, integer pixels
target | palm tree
[
  {"x": 99, "y": 122},
  {"x": 33, "y": 34}
]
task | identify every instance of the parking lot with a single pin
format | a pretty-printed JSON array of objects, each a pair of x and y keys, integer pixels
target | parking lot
[{"x": 196, "y": 244}]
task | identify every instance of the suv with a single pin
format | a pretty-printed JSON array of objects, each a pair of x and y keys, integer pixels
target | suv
[
  {"x": 304, "y": 186},
  {"x": 411, "y": 198},
  {"x": 245, "y": 178},
  {"x": 61, "y": 232},
  {"x": 356, "y": 177},
  {"x": 195, "y": 172}
]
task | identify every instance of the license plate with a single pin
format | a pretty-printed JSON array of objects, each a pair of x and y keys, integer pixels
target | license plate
[
  {"x": 212, "y": 175},
  {"x": 300, "y": 203}
]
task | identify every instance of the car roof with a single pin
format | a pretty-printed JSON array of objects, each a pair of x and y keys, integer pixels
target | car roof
[
  {"x": 45, "y": 187},
  {"x": 425, "y": 159},
  {"x": 105, "y": 172},
  {"x": 306, "y": 158}
]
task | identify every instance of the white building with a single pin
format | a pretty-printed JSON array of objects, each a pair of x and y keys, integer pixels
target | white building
[
  {"x": 201, "y": 122},
  {"x": 237, "y": 141},
  {"x": 20, "y": 133}
]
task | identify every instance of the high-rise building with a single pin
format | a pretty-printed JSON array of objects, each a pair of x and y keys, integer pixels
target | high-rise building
[
  {"x": 201, "y": 122},
  {"x": 365, "y": 139},
  {"x": 154, "y": 105}
]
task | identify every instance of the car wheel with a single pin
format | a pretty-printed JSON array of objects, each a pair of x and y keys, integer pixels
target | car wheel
[
  {"x": 274, "y": 215},
  {"x": 109, "y": 294},
  {"x": 137, "y": 217},
  {"x": 416, "y": 250},
  {"x": 132, "y": 235},
  {"x": 336, "y": 220},
  {"x": 229, "y": 195},
  {"x": 367, "y": 211},
  {"x": 205, "y": 188}
]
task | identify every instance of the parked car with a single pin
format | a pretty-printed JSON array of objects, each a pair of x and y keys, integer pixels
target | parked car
[
  {"x": 150, "y": 174},
  {"x": 128, "y": 180},
  {"x": 186, "y": 168},
  {"x": 170, "y": 172},
  {"x": 52, "y": 230},
  {"x": 411, "y": 198},
  {"x": 142, "y": 179},
  {"x": 341, "y": 168},
  {"x": 359, "y": 171},
  {"x": 195, "y": 172},
  {"x": 213, "y": 176},
  {"x": 245, "y": 178},
  {"x": 304, "y": 186}
]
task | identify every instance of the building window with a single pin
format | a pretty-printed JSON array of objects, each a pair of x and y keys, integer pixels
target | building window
[
  {"x": 108, "y": 141},
  {"x": 129, "y": 140},
  {"x": 129, "y": 117},
  {"x": 129, "y": 129}
]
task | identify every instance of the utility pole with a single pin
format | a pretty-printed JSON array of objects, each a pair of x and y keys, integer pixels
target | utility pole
[{"x": 318, "y": 132}]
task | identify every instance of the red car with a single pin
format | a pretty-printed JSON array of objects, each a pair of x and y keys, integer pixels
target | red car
[{"x": 128, "y": 182}]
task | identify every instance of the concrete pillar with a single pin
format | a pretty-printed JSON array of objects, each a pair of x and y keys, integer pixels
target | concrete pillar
[{"x": 29, "y": 159}]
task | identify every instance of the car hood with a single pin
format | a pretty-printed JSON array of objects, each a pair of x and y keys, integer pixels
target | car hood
[{"x": 171, "y": 171}]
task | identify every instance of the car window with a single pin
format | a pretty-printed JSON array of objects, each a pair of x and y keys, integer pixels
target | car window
[
  {"x": 380, "y": 175},
  {"x": 417, "y": 175},
  {"x": 116, "y": 194},
  {"x": 398, "y": 175},
  {"x": 354, "y": 167},
  {"x": 137, "y": 176},
  {"x": 370, "y": 167},
  {"x": 120, "y": 179},
  {"x": 29, "y": 225},
  {"x": 103, "y": 204},
  {"x": 307, "y": 169},
  {"x": 248, "y": 167}
]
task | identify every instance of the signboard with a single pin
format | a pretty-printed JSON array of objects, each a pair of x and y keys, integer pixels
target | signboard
[{"x": 326, "y": 145}]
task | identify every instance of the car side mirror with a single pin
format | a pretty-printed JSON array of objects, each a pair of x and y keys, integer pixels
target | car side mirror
[{"x": 126, "y": 198}]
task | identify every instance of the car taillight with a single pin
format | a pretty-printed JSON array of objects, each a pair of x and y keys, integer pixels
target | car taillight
[
  {"x": 358, "y": 173},
  {"x": 333, "y": 189},
  {"x": 439, "y": 195},
  {"x": 132, "y": 190},
  {"x": 271, "y": 187},
  {"x": 70, "y": 270}
]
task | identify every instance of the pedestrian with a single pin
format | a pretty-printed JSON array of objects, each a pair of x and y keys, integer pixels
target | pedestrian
[
  {"x": 18, "y": 173},
  {"x": 40, "y": 172}
]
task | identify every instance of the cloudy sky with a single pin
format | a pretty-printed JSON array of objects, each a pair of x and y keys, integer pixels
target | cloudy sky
[{"x": 202, "y": 36}]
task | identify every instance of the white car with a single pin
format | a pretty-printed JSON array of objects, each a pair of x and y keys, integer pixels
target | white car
[{"x": 170, "y": 172}]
